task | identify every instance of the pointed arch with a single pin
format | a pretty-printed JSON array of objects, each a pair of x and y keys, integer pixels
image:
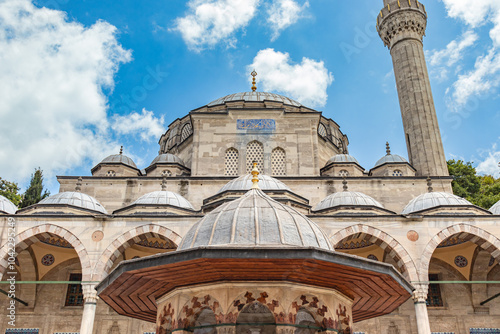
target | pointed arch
[
  {"x": 278, "y": 162},
  {"x": 255, "y": 152},
  {"x": 390, "y": 245},
  {"x": 38, "y": 233},
  {"x": 231, "y": 162},
  {"x": 466, "y": 232},
  {"x": 118, "y": 246}
]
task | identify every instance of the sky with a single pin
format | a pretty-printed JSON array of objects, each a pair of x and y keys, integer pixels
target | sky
[{"x": 80, "y": 78}]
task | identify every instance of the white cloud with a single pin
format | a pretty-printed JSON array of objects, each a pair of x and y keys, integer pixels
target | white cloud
[
  {"x": 454, "y": 50},
  {"x": 209, "y": 22},
  {"x": 53, "y": 110},
  {"x": 490, "y": 164},
  {"x": 144, "y": 124},
  {"x": 306, "y": 82},
  {"x": 284, "y": 13}
]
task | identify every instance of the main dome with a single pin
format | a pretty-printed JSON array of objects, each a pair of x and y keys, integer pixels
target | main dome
[
  {"x": 7, "y": 206},
  {"x": 255, "y": 97},
  {"x": 244, "y": 182},
  {"x": 255, "y": 220},
  {"x": 74, "y": 198}
]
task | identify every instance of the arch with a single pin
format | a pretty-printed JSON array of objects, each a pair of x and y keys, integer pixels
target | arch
[
  {"x": 466, "y": 232},
  {"x": 116, "y": 248},
  {"x": 231, "y": 162},
  {"x": 390, "y": 245},
  {"x": 278, "y": 162},
  {"x": 255, "y": 152},
  {"x": 28, "y": 237},
  {"x": 321, "y": 313},
  {"x": 256, "y": 315},
  {"x": 272, "y": 302},
  {"x": 190, "y": 312}
]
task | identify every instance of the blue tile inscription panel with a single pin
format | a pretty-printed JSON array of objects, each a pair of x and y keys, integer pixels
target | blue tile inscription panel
[{"x": 256, "y": 124}]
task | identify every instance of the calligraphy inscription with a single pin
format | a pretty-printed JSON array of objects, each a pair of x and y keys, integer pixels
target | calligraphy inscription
[{"x": 256, "y": 124}]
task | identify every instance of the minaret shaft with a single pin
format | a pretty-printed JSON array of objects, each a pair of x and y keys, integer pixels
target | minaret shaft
[{"x": 401, "y": 25}]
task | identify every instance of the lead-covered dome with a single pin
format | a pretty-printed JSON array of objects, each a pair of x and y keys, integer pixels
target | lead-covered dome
[
  {"x": 6, "y": 206},
  {"x": 119, "y": 158},
  {"x": 244, "y": 182},
  {"x": 347, "y": 198},
  {"x": 255, "y": 97},
  {"x": 342, "y": 158},
  {"x": 164, "y": 197},
  {"x": 390, "y": 158},
  {"x": 255, "y": 220},
  {"x": 167, "y": 158},
  {"x": 495, "y": 209},
  {"x": 434, "y": 199},
  {"x": 74, "y": 198}
]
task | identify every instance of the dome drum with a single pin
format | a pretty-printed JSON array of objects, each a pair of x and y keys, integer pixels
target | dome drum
[
  {"x": 392, "y": 165},
  {"x": 167, "y": 165},
  {"x": 342, "y": 165},
  {"x": 117, "y": 165}
]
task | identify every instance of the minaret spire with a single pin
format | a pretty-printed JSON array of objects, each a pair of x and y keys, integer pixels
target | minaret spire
[{"x": 401, "y": 25}]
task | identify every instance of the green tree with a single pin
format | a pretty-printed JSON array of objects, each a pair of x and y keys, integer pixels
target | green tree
[
  {"x": 33, "y": 194},
  {"x": 483, "y": 191},
  {"x": 10, "y": 190}
]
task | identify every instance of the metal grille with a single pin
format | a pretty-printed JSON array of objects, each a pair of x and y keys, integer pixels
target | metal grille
[
  {"x": 166, "y": 173},
  {"x": 343, "y": 173},
  {"x": 278, "y": 162},
  {"x": 22, "y": 331},
  {"x": 111, "y": 173},
  {"x": 231, "y": 162},
  {"x": 187, "y": 130},
  {"x": 485, "y": 331},
  {"x": 255, "y": 152},
  {"x": 322, "y": 130}
]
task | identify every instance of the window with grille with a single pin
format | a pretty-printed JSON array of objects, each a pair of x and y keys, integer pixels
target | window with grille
[
  {"x": 343, "y": 173},
  {"x": 187, "y": 130},
  {"x": 231, "y": 162},
  {"x": 22, "y": 331},
  {"x": 166, "y": 173},
  {"x": 322, "y": 130},
  {"x": 111, "y": 173},
  {"x": 255, "y": 152},
  {"x": 74, "y": 295},
  {"x": 278, "y": 162},
  {"x": 397, "y": 172},
  {"x": 434, "y": 294},
  {"x": 485, "y": 331}
]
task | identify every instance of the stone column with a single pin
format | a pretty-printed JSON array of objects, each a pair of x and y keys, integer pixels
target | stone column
[
  {"x": 419, "y": 298},
  {"x": 89, "y": 306},
  {"x": 401, "y": 26}
]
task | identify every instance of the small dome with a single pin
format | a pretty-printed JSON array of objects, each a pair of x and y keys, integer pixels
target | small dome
[
  {"x": 432, "y": 200},
  {"x": 390, "y": 158},
  {"x": 244, "y": 182},
  {"x": 495, "y": 209},
  {"x": 347, "y": 198},
  {"x": 167, "y": 158},
  {"x": 255, "y": 220},
  {"x": 7, "y": 206},
  {"x": 119, "y": 158},
  {"x": 254, "y": 96},
  {"x": 165, "y": 198},
  {"x": 342, "y": 158},
  {"x": 75, "y": 198}
]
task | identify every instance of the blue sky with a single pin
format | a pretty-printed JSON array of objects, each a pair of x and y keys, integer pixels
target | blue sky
[{"x": 79, "y": 78}]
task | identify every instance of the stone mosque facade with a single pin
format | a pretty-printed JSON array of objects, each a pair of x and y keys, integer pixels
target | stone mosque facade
[{"x": 434, "y": 257}]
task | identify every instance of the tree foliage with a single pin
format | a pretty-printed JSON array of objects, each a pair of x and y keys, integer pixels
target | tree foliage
[
  {"x": 483, "y": 191},
  {"x": 10, "y": 190},
  {"x": 34, "y": 192}
]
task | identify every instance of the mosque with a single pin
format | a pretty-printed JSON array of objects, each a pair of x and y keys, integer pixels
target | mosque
[{"x": 254, "y": 218}]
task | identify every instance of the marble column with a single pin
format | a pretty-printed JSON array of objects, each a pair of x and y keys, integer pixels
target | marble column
[
  {"x": 419, "y": 298},
  {"x": 89, "y": 307}
]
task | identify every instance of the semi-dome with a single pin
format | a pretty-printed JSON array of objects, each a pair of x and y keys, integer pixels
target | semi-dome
[
  {"x": 434, "y": 199},
  {"x": 164, "y": 197},
  {"x": 347, "y": 198},
  {"x": 6, "y": 206},
  {"x": 254, "y": 97},
  {"x": 255, "y": 220},
  {"x": 167, "y": 158},
  {"x": 342, "y": 158},
  {"x": 495, "y": 209},
  {"x": 74, "y": 198},
  {"x": 244, "y": 182}
]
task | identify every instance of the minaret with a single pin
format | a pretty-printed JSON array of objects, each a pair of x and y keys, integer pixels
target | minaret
[{"x": 401, "y": 25}]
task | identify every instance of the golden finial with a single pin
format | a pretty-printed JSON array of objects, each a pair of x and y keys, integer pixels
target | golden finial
[
  {"x": 387, "y": 148},
  {"x": 255, "y": 178},
  {"x": 78, "y": 187},
  {"x": 121, "y": 150},
  {"x": 254, "y": 74}
]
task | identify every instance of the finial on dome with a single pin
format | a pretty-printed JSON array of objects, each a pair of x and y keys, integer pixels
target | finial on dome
[
  {"x": 78, "y": 187},
  {"x": 254, "y": 74},
  {"x": 387, "y": 148},
  {"x": 121, "y": 150},
  {"x": 255, "y": 178},
  {"x": 164, "y": 183},
  {"x": 429, "y": 184},
  {"x": 344, "y": 182}
]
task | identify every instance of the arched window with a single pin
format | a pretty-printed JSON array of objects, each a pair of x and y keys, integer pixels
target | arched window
[
  {"x": 187, "y": 130},
  {"x": 231, "y": 162},
  {"x": 278, "y": 162},
  {"x": 255, "y": 152},
  {"x": 111, "y": 173},
  {"x": 397, "y": 172},
  {"x": 322, "y": 130},
  {"x": 166, "y": 173},
  {"x": 343, "y": 173}
]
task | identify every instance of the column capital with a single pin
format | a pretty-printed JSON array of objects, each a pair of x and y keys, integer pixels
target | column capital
[
  {"x": 420, "y": 293},
  {"x": 89, "y": 293}
]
